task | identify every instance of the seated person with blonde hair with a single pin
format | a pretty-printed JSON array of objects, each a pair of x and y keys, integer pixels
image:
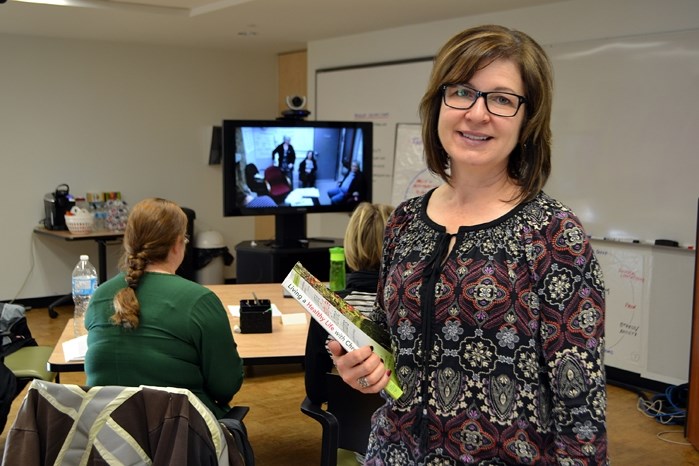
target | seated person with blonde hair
[
  {"x": 363, "y": 245},
  {"x": 149, "y": 326}
]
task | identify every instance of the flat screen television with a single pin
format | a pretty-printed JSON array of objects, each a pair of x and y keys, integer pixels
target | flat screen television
[{"x": 290, "y": 168}]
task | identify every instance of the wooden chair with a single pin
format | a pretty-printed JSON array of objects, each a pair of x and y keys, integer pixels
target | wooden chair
[{"x": 346, "y": 421}]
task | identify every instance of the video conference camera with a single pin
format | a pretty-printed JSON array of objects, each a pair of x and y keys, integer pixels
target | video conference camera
[
  {"x": 296, "y": 102},
  {"x": 296, "y": 110}
]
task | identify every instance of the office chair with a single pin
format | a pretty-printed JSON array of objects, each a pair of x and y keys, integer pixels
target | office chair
[
  {"x": 29, "y": 363},
  {"x": 346, "y": 421},
  {"x": 278, "y": 185},
  {"x": 70, "y": 424}
]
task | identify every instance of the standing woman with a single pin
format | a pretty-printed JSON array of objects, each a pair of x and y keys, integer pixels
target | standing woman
[
  {"x": 148, "y": 326},
  {"x": 489, "y": 287},
  {"x": 285, "y": 158}
]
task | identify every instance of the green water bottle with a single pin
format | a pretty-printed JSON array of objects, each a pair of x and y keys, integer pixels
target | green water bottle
[{"x": 337, "y": 269}]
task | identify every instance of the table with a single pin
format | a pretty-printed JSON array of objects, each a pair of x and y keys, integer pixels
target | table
[
  {"x": 286, "y": 343},
  {"x": 101, "y": 237}
]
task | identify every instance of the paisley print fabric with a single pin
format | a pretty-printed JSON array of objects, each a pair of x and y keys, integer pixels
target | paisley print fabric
[{"x": 499, "y": 341}]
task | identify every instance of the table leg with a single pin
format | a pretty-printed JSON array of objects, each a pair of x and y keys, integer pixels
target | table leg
[
  {"x": 101, "y": 272},
  {"x": 102, "y": 260}
]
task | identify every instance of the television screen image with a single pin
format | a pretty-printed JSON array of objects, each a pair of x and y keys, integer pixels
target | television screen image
[{"x": 289, "y": 168}]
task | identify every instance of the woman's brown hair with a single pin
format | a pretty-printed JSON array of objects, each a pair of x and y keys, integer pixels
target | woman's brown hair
[
  {"x": 458, "y": 60},
  {"x": 153, "y": 227},
  {"x": 364, "y": 236}
]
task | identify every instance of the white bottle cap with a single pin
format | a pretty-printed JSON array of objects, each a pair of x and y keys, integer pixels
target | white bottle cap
[{"x": 84, "y": 257}]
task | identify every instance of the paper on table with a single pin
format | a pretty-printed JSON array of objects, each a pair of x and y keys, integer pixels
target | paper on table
[
  {"x": 75, "y": 348},
  {"x": 294, "y": 319},
  {"x": 235, "y": 310}
]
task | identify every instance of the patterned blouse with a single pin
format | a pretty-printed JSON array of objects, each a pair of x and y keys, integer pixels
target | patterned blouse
[{"x": 499, "y": 342}]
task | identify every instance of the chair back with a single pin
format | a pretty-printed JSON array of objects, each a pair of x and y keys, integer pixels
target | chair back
[
  {"x": 347, "y": 420},
  {"x": 256, "y": 184},
  {"x": 278, "y": 184},
  {"x": 353, "y": 411},
  {"x": 70, "y": 424}
]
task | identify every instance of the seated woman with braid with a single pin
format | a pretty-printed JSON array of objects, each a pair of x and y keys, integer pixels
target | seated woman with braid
[{"x": 148, "y": 326}]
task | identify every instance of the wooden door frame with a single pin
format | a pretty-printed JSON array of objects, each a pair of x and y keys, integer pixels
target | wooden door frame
[{"x": 692, "y": 424}]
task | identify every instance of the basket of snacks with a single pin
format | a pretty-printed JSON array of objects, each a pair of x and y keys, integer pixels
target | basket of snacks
[{"x": 80, "y": 221}]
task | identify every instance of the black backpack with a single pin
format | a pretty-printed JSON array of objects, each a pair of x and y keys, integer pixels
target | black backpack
[
  {"x": 14, "y": 329},
  {"x": 15, "y": 334},
  {"x": 240, "y": 433}
]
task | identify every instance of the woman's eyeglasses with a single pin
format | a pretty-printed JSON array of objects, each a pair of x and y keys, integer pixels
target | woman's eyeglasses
[{"x": 461, "y": 97}]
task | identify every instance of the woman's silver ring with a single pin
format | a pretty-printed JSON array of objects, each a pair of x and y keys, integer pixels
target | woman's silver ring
[{"x": 362, "y": 382}]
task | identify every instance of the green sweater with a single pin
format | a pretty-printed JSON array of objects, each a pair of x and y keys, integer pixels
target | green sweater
[{"x": 184, "y": 340}]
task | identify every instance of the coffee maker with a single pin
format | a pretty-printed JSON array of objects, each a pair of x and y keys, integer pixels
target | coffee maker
[{"x": 56, "y": 205}]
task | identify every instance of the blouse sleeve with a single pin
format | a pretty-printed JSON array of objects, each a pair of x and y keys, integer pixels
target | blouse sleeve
[
  {"x": 570, "y": 291},
  {"x": 221, "y": 366}
]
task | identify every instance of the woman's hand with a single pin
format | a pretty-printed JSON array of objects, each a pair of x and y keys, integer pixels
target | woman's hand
[{"x": 361, "y": 369}]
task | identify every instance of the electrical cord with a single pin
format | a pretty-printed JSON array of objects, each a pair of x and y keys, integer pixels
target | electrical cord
[
  {"x": 29, "y": 272},
  {"x": 656, "y": 407},
  {"x": 668, "y": 408},
  {"x": 661, "y": 435}
]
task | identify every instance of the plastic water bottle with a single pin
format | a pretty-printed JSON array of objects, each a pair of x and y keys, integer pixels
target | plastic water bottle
[
  {"x": 337, "y": 269},
  {"x": 84, "y": 284}
]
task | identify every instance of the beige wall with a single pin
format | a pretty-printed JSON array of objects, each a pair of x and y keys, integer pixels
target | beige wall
[
  {"x": 291, "y": 75},
  {"x": 114, "y": 117}
]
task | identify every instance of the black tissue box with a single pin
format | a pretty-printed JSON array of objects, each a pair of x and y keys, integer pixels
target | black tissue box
[{"x": 255, "y": 316}]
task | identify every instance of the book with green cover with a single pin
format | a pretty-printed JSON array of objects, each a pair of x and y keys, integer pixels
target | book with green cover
[{"x": 342, "y": 321}]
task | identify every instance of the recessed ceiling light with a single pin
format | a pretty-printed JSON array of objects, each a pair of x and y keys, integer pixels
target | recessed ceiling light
[
  {"x": 134, "y": 6},
  {"x": 108, "y": 4}
]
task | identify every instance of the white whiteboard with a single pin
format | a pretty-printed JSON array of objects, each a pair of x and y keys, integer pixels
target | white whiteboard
[
  {"x": 625, "y": 135},
  {"x": 387, "y": 94},
  {"x": 625, "y": 128}
]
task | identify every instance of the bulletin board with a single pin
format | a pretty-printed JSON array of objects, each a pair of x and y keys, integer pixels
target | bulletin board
[
  {"x": 410, "y": 177},
  {"x": 626, "y": 279}
]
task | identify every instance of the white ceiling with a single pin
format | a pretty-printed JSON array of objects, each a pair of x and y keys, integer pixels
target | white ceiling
[{"x": 275, "y": 26}]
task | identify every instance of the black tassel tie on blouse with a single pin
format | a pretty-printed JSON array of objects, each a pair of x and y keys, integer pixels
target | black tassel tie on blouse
[{"x": 430, "y": 277}]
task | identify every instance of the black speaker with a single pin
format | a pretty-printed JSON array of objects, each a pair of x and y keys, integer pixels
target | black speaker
[
  {"x": 253, "y": 267},
  {"x": 187, "y": 267},
  {"x": 265, "y": 264},
  {"x": 216, "y": 146}
]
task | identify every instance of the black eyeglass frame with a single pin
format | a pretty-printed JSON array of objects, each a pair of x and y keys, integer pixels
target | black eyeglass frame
[{"x": 520, "y": 99}]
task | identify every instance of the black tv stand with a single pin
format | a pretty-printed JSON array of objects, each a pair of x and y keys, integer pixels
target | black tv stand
[
  {"x": 299, "y": 243},
  {"x": 322, "y": 240},
  {"x": 269, "y": 262}
]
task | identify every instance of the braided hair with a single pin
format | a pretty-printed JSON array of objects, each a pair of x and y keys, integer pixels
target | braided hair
[{"x": 153, "y": 228}]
